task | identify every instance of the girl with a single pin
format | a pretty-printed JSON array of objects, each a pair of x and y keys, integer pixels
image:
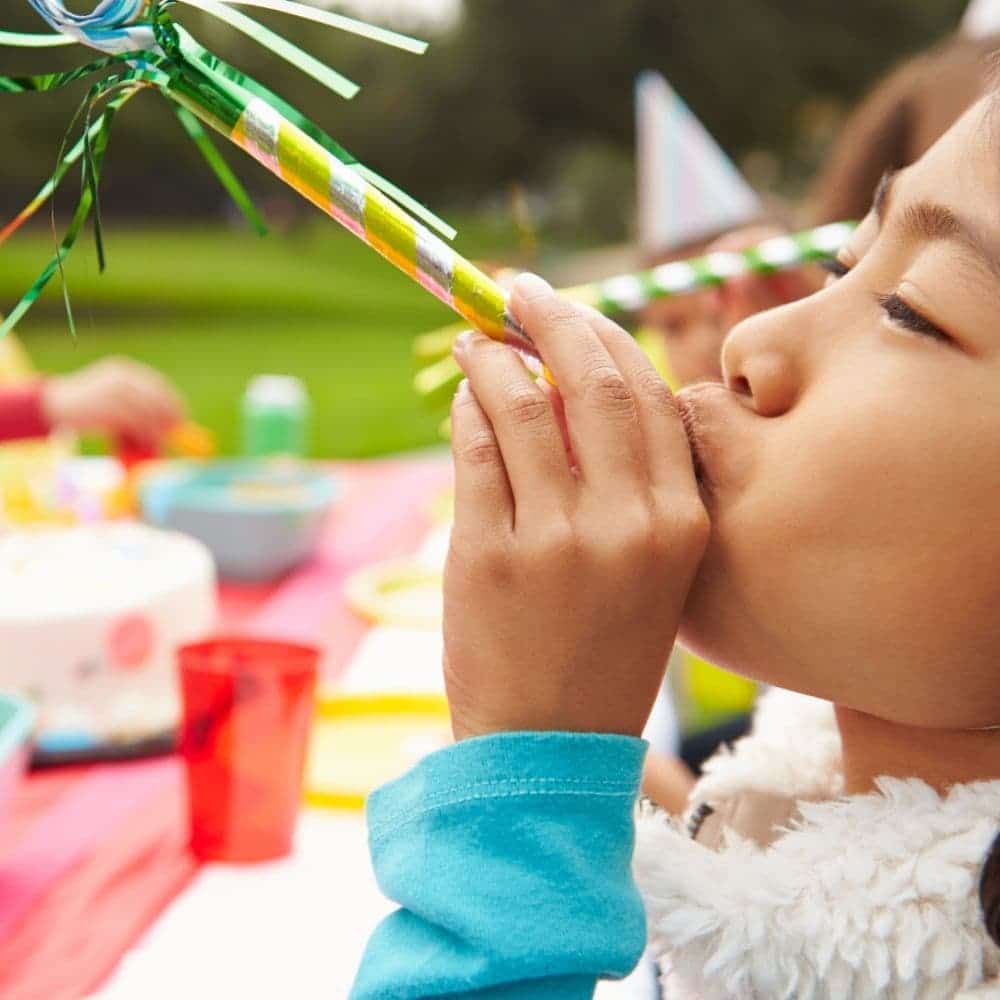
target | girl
[{"x": 825, "y": 521}]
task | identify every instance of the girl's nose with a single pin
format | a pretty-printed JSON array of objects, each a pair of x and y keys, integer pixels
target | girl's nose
[{"x": 759, "y": 362}]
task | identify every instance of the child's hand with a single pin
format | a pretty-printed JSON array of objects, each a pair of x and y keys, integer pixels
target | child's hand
[
  {"x": 564, "y": 586},
  {"x": 114, "y": 396}
]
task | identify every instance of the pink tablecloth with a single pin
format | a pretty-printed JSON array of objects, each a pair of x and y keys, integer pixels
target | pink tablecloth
[{"x": 91, "y": 855}]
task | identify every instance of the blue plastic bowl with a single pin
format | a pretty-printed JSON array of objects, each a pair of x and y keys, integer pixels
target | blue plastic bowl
[
  {"x": 259, "y": 518},
  {"x": 17, "y": 717}
]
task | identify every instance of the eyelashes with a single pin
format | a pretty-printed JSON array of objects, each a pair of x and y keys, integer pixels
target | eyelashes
[
  {"x": 897, "y": 309},
  {"x": 903, "y": 314},
  {"x": 834, "y": 267}
]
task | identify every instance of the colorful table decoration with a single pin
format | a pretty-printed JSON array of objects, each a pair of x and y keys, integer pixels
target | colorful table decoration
[
  {"x": 361, "y": 741},
  {"x": 91, "y": 856},
  {"x": 404, "y": 592},
  {"x": 260, "y": 518},
  {"x": 90, "y": 617},
  {"x": 17, "y": 716}
]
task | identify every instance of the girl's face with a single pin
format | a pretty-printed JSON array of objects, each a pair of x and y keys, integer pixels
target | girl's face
[{"x": 852, "y": 461}]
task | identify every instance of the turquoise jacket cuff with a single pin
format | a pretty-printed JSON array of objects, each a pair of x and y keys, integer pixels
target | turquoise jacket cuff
[{"x": 511, "y": 858}]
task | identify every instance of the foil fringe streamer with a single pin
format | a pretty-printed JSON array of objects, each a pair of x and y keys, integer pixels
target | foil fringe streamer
[{"x": 144, "y": 48}]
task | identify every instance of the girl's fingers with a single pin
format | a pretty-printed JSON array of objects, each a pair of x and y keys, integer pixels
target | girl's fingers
[
  {"x": 667, "y": 451},
  {"x": 483, "y": 499},
  {"x": 523, "y": 421},
  {"x": 599, "y": 403},
  {"x": 554, "y": 396}
]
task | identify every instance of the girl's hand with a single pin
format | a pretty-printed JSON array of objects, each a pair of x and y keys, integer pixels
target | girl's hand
[
  {"x": 114, "y": 396},
  {"x": 564, "y": 585}
]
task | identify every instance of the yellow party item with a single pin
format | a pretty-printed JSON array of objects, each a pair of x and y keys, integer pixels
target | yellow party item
[
  {"x": 708, "y": 694},
  {"x": 190, "y": 440},
  {"x": 405, "y": 593},
  {"x": 28, "y": 481},
  {"x": 361, "y": 741},
  {"x": 15, "y": 365}
]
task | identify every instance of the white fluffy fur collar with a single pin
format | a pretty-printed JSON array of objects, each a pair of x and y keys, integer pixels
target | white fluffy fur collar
[{"x": 867, "y": 896}]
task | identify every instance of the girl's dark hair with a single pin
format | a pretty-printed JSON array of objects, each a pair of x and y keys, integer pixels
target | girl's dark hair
[{"x": 989, "y": 891}]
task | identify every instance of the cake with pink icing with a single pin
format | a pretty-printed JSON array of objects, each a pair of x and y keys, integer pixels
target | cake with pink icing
[{"x": 90, "y": 618}]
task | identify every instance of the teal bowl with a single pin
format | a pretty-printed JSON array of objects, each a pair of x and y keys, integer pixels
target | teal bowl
[
  {"x": 259, "y": 518},
  {"x": 17, "y": 717}
]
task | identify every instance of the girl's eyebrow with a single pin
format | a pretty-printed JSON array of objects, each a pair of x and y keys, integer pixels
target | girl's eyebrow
[{"x": 927, "y": 221}]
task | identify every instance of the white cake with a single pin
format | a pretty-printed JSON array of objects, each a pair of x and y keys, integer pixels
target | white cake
[{"x": 90, "y": 618}]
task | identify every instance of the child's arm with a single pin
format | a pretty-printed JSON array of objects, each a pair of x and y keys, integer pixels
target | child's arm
[
  {"x": 564, "y": 586},
  {"x": 511, "y": 857},
  {"x": 116, "y": 396},
  {"x": 668, "y": 782},
  {"x": 22, "y": 412},
  {"x": 565, "y": 580}
]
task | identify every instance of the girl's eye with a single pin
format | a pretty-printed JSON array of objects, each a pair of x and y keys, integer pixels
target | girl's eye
[
  {"x": 907, "y": 317},
  {"x": 834, "y": 267}
]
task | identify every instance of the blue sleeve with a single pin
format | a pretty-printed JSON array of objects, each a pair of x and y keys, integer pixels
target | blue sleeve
[{"x": 510, "y": 856}]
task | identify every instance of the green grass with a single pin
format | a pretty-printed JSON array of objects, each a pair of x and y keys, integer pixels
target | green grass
[{"x": 213, "y": 307}]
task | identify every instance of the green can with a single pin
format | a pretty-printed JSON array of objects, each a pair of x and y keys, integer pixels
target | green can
[{"x": 275, "y": 416}]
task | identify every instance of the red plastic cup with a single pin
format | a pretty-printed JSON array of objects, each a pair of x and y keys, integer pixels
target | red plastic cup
[{"x": 248, "y": 706}]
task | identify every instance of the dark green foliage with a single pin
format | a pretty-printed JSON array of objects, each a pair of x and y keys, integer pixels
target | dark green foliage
[{"x": 508, "y": 94}]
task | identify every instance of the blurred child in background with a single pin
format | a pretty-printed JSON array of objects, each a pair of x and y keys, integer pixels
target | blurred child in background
[{"x": 118, "y": 397}]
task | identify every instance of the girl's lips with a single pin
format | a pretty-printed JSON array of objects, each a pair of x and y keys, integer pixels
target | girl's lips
[
  {"x": 689, "y": 418},
  {"x": 693, "y": 404}
]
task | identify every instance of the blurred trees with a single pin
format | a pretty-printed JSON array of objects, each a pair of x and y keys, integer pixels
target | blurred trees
[{"x": 521, "y": 91}]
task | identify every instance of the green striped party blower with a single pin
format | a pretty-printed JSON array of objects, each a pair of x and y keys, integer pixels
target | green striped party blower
[
  {"x": 143, "y": 47},
  {"x": 630, "y": 293}
]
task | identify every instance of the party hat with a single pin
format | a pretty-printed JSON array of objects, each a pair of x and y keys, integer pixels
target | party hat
[
  {"x": 982, "y": 18},
  {"x": 689, "y": 189}
]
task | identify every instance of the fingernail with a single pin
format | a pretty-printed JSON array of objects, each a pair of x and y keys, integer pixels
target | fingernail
[
  {"x": 463, "y": 392},
  {"x": 464, "y": 341},
  {"x": 461, "y": 344},
  {"x": 530, "y": 287}
]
